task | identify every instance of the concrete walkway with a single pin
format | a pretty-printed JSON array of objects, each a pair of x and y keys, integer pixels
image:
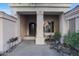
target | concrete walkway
[{"x": 27, "y": 48}]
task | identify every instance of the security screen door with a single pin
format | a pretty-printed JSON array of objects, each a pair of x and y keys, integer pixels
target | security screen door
[{"x": 32, "y": 29}]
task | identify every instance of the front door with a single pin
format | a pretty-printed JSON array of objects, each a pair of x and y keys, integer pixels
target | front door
[{"x": 32, "y": 29}]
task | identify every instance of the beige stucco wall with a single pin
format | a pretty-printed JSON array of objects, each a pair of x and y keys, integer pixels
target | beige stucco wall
[
  {"x": 23, "y": 25},
  {"x": 1, "y": 35},
  {"x": 7, "y": 30}
]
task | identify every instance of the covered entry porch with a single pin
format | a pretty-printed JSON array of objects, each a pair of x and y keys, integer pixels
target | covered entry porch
[
  {"x": 40, "y": 10},
  {"x": 38, "y": 25},
  {"x": 27, "y": 26}
]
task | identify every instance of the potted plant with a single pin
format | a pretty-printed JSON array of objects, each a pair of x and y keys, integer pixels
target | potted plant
[
  {"x": 57, "y": 36},
  {"x": 56, "y": 40}
]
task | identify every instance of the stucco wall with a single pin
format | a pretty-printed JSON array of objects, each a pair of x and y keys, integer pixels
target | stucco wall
[
  {"x": 23, "y": 26},
  {"x": 1, "y": 35},
  {"x": 7, "y": 30}
]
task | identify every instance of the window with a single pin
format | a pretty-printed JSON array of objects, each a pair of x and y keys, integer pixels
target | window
[
  {"x": 49, "y": 27},
  {"x": 72, "y": 25}
]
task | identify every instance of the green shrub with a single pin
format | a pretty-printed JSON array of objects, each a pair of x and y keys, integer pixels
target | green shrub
[
  {"x": 57, "y": 35},
  {"x": 72, "y": 39}
]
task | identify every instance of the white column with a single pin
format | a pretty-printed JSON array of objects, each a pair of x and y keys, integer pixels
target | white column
[
  {"x": 18, "y": 28},
  {"x": 63, "y": 26},
  {"x": 39, "y": 28}
]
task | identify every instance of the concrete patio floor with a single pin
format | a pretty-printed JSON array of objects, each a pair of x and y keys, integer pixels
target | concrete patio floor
[{"x": 28, "y": 48}]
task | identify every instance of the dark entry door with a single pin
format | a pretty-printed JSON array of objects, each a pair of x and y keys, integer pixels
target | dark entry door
[{"x": 32, "y": 29}]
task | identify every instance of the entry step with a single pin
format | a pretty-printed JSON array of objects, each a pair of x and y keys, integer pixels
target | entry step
[{"x": 29, "y": 38}]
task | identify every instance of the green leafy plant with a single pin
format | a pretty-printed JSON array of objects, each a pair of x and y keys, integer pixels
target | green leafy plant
[
  {"x": 57, "y": 35},
  {"x": 72, "y": 39}
]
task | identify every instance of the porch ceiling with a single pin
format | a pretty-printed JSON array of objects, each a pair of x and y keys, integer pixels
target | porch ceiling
[
  {"x": 45, "y": 13},
  {"x": 26, "y": 13},
  {"x": 52, "y": 13}
]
